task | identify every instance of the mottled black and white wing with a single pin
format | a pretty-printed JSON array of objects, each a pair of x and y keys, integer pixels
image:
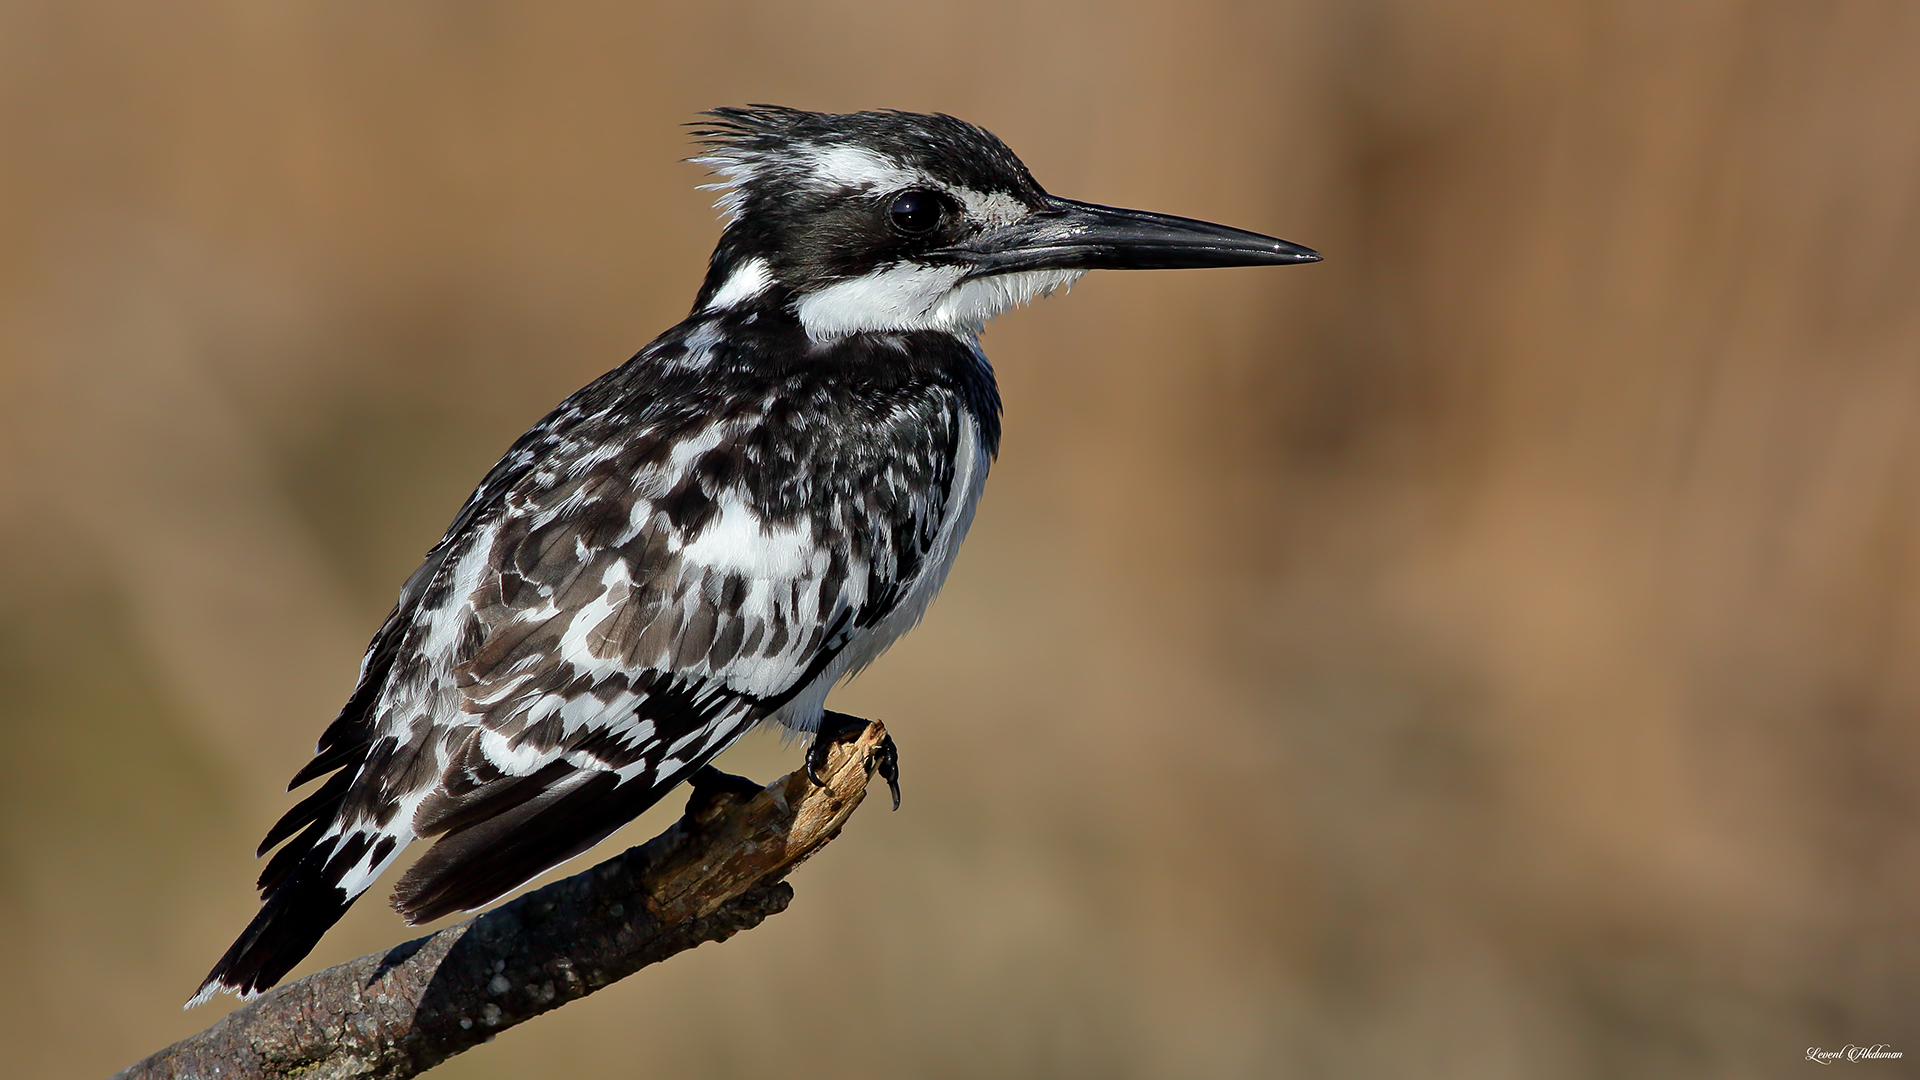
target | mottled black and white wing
[
  {"x": 636, "y": 613},
  {"x": 614, "y": 643}
]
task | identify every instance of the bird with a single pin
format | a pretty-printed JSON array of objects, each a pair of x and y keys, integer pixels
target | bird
[{"x": 711, "y": 536}]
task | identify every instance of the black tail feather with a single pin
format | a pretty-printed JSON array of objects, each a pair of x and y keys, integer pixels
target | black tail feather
[
  {"x": 321, "y": 805},
  {"x": 302, "y": 901},
  {"x": 302, "y": 897},
  {"x": 290, "y": 924}
]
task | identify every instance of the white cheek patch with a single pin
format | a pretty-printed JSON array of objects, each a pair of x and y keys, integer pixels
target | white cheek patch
[
  {"x": 898, "y": 297},
  {"x": 746, "y": 283},
  {"x": 973, "y": 303},
  {"x": 906, "y": 297}
]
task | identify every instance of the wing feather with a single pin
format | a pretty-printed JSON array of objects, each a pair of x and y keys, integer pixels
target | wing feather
[{"x": 633, "y": 619}]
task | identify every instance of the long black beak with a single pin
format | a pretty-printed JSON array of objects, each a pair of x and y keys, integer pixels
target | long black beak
[{"x": 1069, "y": 235}]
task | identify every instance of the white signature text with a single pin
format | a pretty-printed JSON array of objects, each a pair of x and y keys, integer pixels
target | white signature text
[{"x": 1851, "y": 1052}]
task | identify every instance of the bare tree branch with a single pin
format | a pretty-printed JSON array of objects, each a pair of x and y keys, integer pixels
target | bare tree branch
[{"x": 716, "y": 872}]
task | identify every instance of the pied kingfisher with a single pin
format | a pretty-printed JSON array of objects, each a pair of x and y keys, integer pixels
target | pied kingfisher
[{"x": 710, "y": 536}]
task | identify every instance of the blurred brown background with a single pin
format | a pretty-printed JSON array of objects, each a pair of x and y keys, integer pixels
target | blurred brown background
[{"x": 1491, "y": 653}]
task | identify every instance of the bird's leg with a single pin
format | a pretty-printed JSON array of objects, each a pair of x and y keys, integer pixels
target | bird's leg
[{"x": 839, "y": 727}]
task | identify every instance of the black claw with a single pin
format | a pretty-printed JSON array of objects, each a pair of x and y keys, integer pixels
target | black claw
[
  {"x": 889, "y": 766},
  {"x": 835, "y": 727},
  {"x": 838, "y": 727}
]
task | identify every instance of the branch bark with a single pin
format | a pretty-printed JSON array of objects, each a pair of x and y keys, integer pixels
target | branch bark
[{"x": 715, "y": 872}]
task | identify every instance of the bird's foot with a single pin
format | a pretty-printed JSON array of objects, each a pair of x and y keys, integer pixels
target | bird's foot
[
  {"x": 888, "y": 764},
  {"x": 839, "y": 727}
]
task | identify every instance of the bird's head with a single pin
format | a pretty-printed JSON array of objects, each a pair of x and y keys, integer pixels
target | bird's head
[{"x": 893, "y": 221}]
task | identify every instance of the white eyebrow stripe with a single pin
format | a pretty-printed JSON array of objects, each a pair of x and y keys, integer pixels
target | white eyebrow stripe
[
  {"x": 745, "y": 283},
  {"x": 856, "y": 166}
]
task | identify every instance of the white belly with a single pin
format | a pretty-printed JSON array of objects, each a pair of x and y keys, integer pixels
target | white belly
[{"x": 969, "y": 477}]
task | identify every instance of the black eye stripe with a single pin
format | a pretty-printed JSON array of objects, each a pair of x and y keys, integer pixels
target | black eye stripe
[{"x": 917, "y": 212}]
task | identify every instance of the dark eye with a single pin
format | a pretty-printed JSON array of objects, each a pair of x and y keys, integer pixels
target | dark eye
[{"x": 916, "y": 212}]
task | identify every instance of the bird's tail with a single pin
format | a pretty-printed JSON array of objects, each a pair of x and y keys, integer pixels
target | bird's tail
[
  {"x": 307, "y": 886},
  {"x": 289, "y": 925}
]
